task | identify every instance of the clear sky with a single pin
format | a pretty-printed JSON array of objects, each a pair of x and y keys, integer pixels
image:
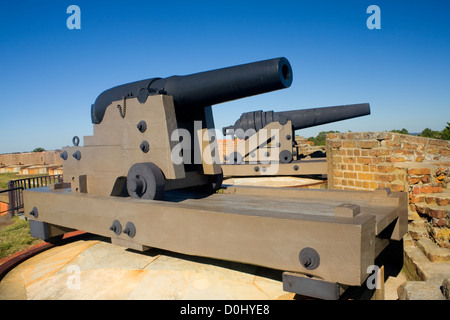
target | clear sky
[{"x": 50, "y": 75}]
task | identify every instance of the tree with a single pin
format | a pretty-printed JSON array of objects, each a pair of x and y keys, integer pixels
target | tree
[
  {"x": 428, "y": 133},
  {"x": 446, "y": 132},
  {"x": 403, "y": 131},
  {"x": 38, "y": 149},
  {"x": 320, "y": 139}
]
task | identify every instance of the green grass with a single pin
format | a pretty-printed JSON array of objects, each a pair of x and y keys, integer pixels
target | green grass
[
  {"x": 5, "y": 177},
  {"x": 15, "y": 236}
]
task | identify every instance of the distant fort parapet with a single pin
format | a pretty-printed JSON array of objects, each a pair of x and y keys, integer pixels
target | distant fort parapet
[{"x": 26, "y": 163}]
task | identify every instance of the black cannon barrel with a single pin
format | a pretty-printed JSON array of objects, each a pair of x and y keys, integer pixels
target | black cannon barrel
[
  {"x": 204, "y": 88},
  {"x": 301, "y": 119}
]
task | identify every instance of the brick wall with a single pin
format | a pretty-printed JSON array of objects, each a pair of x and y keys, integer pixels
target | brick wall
[
  {"x": 31, "y": 158},
  {"x": 370, "y": 160},
  {"x": 417, "y": 165}
]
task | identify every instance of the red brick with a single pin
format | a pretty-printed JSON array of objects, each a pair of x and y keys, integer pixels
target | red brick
[
  {"x": 364, "y": 160},
  {"x": 442, "y": 201},
  {"x": 413, "y": 146},
  {"x": 419, "y": 171},
  {"x": 350, "y": 175},
  {"x": 396, "y": 187},
  {"x": 414, "y": 198},
  {"x": 348, "y": 159},
  {"x": 404, "y": 152},
  {"x": 441, "y": 143},
  {"x": 379, "y": 152},
  {"x": 334, "y": 143},
  {"x": 368, "y": 144},
  {"x": 385, "y": 168},
  {"x": 429, "y": 199},
  {"x": 392, "y": 144},
  {"x": 384, "y": 177},
  {"x": 349, "y": 144},
  {"x": 373, "y": 185},
  {"x": 431, "y": 189},
  {"x": 336, "y": 159},
  {"x": 436, "y": 213},
  {"x": 333, "y": 136},
  {"x": 338, "y": 174},
  {"x": 365, "y": 176},
  {"x": 378, "y": 160},
  {"x": 412, "y": 180}
]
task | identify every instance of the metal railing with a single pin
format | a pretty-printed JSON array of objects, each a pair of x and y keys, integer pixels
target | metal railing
[
  {"x": 13, "y": 194},
  {"x": 16, "y": 187}
]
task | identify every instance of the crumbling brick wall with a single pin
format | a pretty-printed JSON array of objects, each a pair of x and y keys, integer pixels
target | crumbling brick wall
[{"x": 417, "y": 165}]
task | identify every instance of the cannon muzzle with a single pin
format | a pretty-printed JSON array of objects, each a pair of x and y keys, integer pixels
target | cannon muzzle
[
  {"x": 301, "y": 119},
  {"x": 204, "y": 88}
]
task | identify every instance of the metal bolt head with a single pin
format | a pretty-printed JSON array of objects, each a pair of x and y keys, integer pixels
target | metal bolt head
[
  {"x": 64, "y": 155},
  {"x": 309, "y": 258},
  {"x": 116, "y": 227},
  {"x": 145, "y": 147},
  {"x": 142, "y": 126},
  {"x": 77, "y": 155},
  {"x": 130, "y": 229},
  {"x": 34, "y": 212}
]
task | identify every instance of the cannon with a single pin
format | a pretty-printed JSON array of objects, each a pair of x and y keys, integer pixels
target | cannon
[
  {"x": 138, "y": 127},
  {"x": 139, "y": 181},
  {"x": 300, "y": 119},
  {"x": 269, "y": 138},
  {"x": 203, "y": 89}
]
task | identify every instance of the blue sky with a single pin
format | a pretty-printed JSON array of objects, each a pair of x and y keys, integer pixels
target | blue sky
[{"x": 50, "y": 75}]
